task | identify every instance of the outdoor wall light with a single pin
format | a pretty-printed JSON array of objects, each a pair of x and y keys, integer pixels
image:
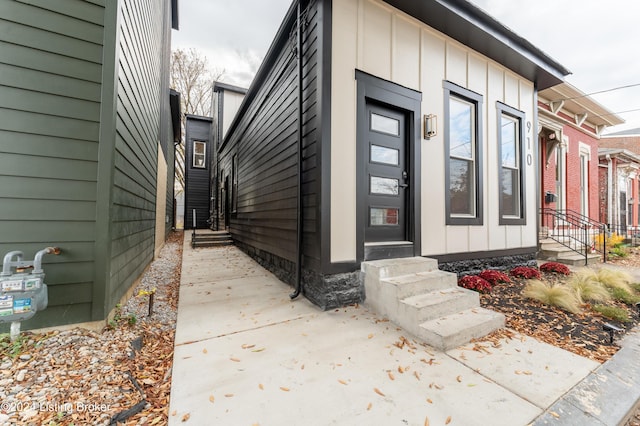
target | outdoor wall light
[{"x": 430, "y": 126}]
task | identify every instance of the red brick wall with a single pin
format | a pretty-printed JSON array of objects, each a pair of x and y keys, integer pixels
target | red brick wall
[{"x": 630, "y": 143}]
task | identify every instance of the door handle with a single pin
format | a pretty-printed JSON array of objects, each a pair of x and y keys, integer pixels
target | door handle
[{"x": 403, "y": 185}]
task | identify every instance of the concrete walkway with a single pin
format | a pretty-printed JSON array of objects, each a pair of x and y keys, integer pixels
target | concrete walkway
[{"x": 245, "y": 354}]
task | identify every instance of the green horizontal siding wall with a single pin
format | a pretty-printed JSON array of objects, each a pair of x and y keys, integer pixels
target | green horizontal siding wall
[
  {"x": 138, "y": 109},
  {"x": 50, "y": 100}
]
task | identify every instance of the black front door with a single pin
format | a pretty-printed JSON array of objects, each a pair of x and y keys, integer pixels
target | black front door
[{"x": 387, "y": 175}]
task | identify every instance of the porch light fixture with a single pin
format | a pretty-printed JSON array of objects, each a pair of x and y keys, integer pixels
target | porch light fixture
[{"x": 430, "y": 126}]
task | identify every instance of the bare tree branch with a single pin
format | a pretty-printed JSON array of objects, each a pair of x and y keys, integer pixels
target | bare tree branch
[{"x": 192, "y": 77}]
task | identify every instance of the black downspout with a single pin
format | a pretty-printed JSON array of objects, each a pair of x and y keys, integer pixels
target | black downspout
[{"x": 298, "y": 278}]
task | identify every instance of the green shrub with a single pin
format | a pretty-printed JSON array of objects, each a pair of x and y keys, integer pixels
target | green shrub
[
  {"x": 612, "y": 312},
  {"x": 560, "y": 296},
  {"x": 618, "y": 251},
  {"x": 624, "y": 296},
  {"x": 587, "y": 288}
]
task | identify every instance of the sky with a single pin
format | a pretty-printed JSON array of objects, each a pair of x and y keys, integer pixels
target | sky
[{"x": 597, "y": 40}]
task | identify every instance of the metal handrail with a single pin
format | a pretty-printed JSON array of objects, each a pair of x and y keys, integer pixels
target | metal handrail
[
  {"x": 193, "y": 233},
  {"x": 575, "y": 231}
]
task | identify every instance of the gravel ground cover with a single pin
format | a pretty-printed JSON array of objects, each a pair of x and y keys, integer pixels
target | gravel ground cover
[{"x": 120, "y": 375}]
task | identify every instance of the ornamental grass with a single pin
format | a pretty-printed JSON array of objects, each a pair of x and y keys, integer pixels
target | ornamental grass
[{"x": 557, "y": 295}]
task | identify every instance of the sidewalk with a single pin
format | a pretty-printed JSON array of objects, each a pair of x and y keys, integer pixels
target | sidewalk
[{"x": 246, "y": 354}]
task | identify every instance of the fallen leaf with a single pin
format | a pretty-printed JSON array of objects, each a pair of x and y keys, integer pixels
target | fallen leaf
[
  {"x": 369, "y": 406},
  {"x": 370, "y": 336},
  {"x": 228, "y": 395},
  {"x": 212, "y": 398},
  {"x": 246, "y": 346},
  {"x": 261, "y": 386},
  {"x": 400, "y": 369},
  {"x": 391, "y": 375},
  {"x": 429, "y": 401},
  {"x": 554, "y": 414},
  {"x": 234, "y": 359},
  {"x": 174, "y": 413},
  {"x": 459, "y": 379},
  {"x": 446, "y": 422},
  {"x": 342, "y": 381},
  {"x": 284, "y": 389},
  {"x": 204, "y": 350},
  {"x": 186, "y": 417},
  {"x": 426, "y": 421},
  {"x": 258, "y": 350},
  {"x": 415, "y": 373},
  {"x": 378, "y": 391}
]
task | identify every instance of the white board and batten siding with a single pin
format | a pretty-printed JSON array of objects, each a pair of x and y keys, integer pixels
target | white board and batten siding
[{"x": 378, "y": 39}]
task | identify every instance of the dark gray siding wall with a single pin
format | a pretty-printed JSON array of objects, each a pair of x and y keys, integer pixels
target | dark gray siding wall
[
  {"x": 166, "y": 128},
  {"x": 50, "y": 88},
  {"x": 265, "y": 139},
  {"x": 140, "y": 70},
  {"x": 197, "y": 180}
]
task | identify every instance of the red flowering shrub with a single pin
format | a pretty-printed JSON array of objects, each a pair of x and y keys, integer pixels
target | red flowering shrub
[
  {"x": 556, "y": 267},
  {"x": 494, "y": 277},
  {"x": 525, "y": 272},
  {"x": 474, "y": 282}
]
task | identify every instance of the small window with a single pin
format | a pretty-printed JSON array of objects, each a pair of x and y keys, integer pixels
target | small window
[
  {"x": 383, "y": 216},
  {"x": 510, "y": 148},
  {"x": 384, "y": 155},
  {"x": 463, "y": 139},
  {"x": 199, "y": 154},
  {"x": 382, "y": 124},
  {"x": 384, "y": 186}
]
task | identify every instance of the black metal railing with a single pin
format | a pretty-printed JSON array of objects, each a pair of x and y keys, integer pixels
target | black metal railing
[
  {"x": 193, "y": 233},
  {"x": 575, "y": 231}
]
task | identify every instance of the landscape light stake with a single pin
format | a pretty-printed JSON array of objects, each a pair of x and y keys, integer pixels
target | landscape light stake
[
  {"x": 149, "y": 293},
  {"x": 611, "y": 329}
]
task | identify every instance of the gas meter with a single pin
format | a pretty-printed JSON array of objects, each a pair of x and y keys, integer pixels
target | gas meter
[{"x": 23, "y": 294}]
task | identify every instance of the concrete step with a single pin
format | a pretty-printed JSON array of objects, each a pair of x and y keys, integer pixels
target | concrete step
[
  {"x": 211, "y": 239},
  {"x": 412, "y": 292},
  {"x": 417, "y": 309},
  {"x": 409, "y": 285},
  {"x": 211, "y": 243},
  {"x": 388, "y": 268},
  {"x": 456, "y": 329}
]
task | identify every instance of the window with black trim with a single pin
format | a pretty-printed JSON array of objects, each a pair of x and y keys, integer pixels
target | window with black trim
[
  {"x": 510, "y": 149},
  {"x": 199, "y": 154},
  {"x": 463, "y": 148}
]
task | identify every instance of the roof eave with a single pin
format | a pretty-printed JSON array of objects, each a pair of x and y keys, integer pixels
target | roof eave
[{"x": 473, "y": 27}]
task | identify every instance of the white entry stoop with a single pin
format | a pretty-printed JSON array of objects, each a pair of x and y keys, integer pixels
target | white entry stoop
[{"x": 414, "y": 294}]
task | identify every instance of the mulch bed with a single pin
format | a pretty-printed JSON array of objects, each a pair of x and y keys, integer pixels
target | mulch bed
[{"x": 578, "y": 333}]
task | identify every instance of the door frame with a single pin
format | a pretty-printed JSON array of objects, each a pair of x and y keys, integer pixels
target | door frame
[{"x": 387, "y": 93}]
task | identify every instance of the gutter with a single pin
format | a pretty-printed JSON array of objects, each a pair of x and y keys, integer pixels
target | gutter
[{"x": 299, "y": 222}]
